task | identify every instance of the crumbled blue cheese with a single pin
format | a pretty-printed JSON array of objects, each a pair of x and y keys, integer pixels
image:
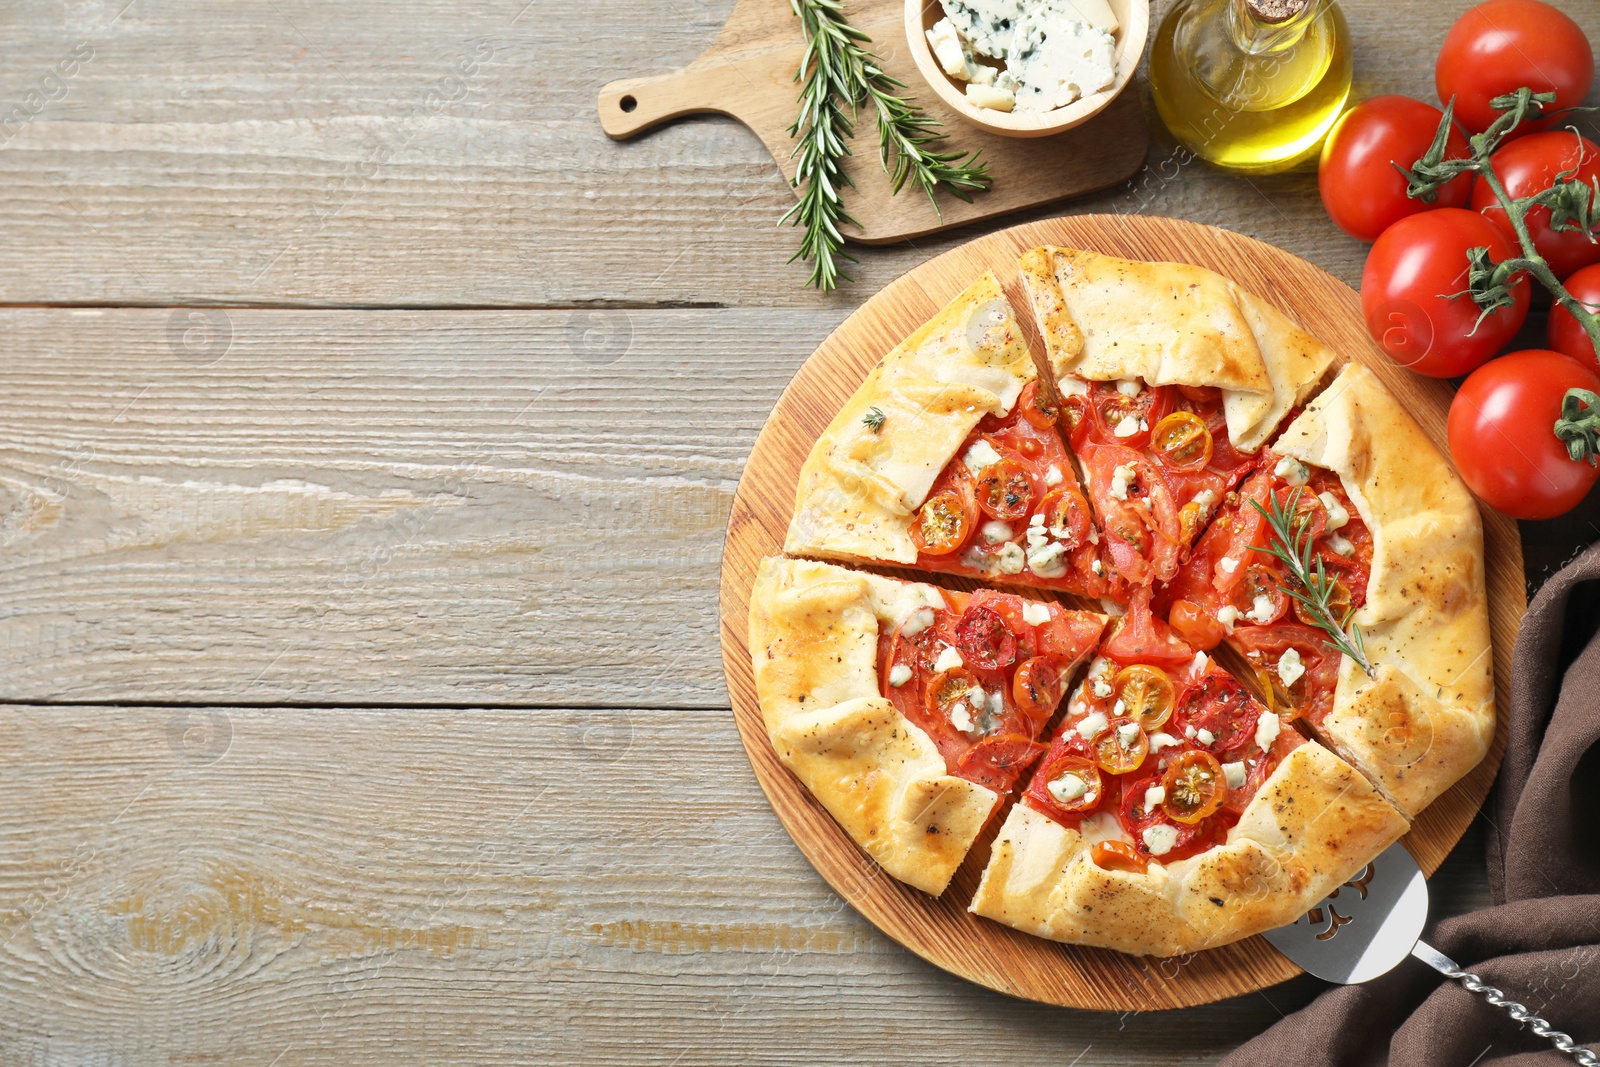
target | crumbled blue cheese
[
  {"x": 996, "y": 531},
  {"x": 980, "y": 455},
  {"x": 1289, "y": 667},
  {"x": 1227, "y": 564},
  {"x": 1127, "y": 426},
  {"x": 1233, "y": 774},
  {"x": 1035, "y": 613},
  {"x": 1010, "y": 559},
  {"x": 1267, "y": 728},
  {"x": 1052, "y": 477},
  {"x": 1036, "y": 520},
  {"x": 899, "y": 675},
  {"x": 1227, "y": 615},
  {"x": 1205, "y": 501},
  {"x": 949, "y": 659},
  {"x": 1199, "y": 663},
  {"x": 1161, "y": 740},
  {"x": 978, "y": 698},
  {"x": 1048, "y": 561},
  {"x": 1073, "y": 386},
  {"x": 1153, "y": 796},
  {"x": 1341, "y": 544},
  {"x": 1205, "y": 737},
  {"x": 1261, "y": 609},
  {"x": 1093, "y": 725},
  {"x": 918, "y": 621},
  {"x": 1128, "y": 733},
  {"x": 1096, "y": 566},
  {"x": 993, "y": 97},
  {"x": 1102, "y": 688},
  {"x": 1067, "y": 788},
  {"x": 1338, "y": 515},
  {"x": 1118, "y": 708},
  {"x": 1121, "y": 478},
  {"x": 961, "y": 718},
  {"x": 1129, "y": 387},
  {"x": 987, "y": 26},
  {"x": 1292, "y": 471},
  {"x": 1160, "y": 838}
]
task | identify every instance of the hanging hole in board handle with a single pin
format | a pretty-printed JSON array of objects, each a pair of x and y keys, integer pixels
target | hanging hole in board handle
[{"x": 628, "y": 103}]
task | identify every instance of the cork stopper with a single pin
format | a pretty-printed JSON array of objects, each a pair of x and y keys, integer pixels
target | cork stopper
[{"x": 1276, "y": 11}]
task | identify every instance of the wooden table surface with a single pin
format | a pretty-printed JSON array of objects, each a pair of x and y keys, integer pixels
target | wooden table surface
[{"x": 368, "y": 427}]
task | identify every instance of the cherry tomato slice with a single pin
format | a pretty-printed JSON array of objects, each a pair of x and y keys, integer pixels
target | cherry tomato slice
[
  {"x": 1038, "y": 687},
  {"x": 1196, "y": 625},
  {"x": 1338, "y": 602},
  {"x": 943, "y": 524},
  {"x": 1056, "y": 788},
  {"x": 997, "y": 761},
  {"x": 1118, "y": 856},
  {"x": 1182, "y": 442},
  {"x": 948, "y": 691},
  {"x": 1005, "y": 490},
  {"x": 1123, "y": 747},
  {"x": 1220, "y": 706},
  {"x": 984, "y": 639},
  {"x": 1260, "y": 581},
  {"x": 1038, "y": 408},
  {"x": 1066, "y": 516},
  {"x": 1146, "y": 694},
  {"x": 1195, "y": 787}
]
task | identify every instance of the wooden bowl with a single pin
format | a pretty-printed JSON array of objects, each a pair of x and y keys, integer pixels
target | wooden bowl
[{"x": 1134, "y": 19}]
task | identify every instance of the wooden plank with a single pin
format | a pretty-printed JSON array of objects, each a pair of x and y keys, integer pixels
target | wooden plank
[
  {"x": 559, "y": 886},
  {"x": 325, "y": 154},
  {"x": 942, "y": 930},
  {"x": 449, "y": 507}
]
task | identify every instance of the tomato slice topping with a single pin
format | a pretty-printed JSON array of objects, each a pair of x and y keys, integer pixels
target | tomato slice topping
[
  {"x": 1005, "y": 490},
  {"x": 1221, "y": 707},
  {"x": 1182, "y": 441},
  {"x": 1038, "y": 686},
  {"x": 1194, "y": 786},
  {"x": 1068, "y": 784},
  {"x": 1311, "y": 694},
  {"x": 944, "y": 523},
  {"x": 1066, "y": 516},
  {"x": 1140, "y": 637},
  {"x": 1306, "y": 508},
  {"x": 1123, "y": 747},
  {"x": 1146, "y": 694},
  {"x": 1261, "y": 580},
  {"x": 947, "y": 692},
  {"x": 997, "y": 761},
  {"x": 1038, "y": 408},
  {"x": 1339, "y": 603},
  {"x": 1118, "y": 856},
  {"x": 1196, "y": 625},
  {"x": 984, "y": 639}
]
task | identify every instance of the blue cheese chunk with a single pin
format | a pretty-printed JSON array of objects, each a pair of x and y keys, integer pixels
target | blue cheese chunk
[
  {"x": 1160, "y": 838},
  {"x": 987, "y": 26},
  {"x": 982, "y": 454},
  {"x": 990, "y": 96},
  {"x": 1057, "y": 61}
]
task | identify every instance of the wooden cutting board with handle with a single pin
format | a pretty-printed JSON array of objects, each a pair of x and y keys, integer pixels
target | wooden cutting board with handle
[{"x": 748, "y": 74}]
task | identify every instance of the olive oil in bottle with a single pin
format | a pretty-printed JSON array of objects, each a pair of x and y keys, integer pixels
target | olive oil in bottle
[{"x": 1251, "y": 85}]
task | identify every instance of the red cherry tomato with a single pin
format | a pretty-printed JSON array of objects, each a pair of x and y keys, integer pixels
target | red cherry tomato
[
  {"x": 1408, "y": 287},
  {"x": 1500, "y": 46},
  {"x": 1529, "y": 165},
  {"x": 1502, "y": 435},
  {"x": 1563, "y": 333},
  {"x": 984, "y": 639},
  {"x": 1363, "y": 193}
]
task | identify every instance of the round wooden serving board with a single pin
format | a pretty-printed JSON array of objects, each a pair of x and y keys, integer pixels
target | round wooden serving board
[{"x": 941, "y": 930}]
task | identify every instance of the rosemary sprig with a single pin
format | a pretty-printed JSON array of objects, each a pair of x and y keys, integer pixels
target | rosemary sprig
[
  {"x": 837, "y": 75},
  {"x": 1292, "y": 546},
  {"x": 873, "y": 419}
]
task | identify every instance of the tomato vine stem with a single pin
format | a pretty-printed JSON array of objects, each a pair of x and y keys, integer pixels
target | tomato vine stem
[{"x": 1571, "y": 204}]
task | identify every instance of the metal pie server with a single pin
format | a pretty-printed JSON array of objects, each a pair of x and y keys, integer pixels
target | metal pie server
[{"x": 1371, "y": 923}]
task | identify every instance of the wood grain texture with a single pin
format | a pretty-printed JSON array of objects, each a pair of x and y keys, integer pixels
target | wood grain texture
[
  {"x": 449, "y": 507},
  {"x": 288, "y": 152},
  {"x": 373, "y": 887},
  {"x": 748, "y": 74},
  {"x": 941, "y": 930}
]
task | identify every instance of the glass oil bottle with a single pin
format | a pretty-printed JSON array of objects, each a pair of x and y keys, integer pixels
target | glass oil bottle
[{"x": 1251, "y": 85}]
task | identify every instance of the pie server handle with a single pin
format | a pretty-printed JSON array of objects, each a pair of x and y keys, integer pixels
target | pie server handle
[{"x": 1447, "y": 967}]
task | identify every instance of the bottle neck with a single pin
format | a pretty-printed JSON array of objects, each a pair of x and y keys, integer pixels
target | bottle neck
[{"x": 1256, "y": 35}]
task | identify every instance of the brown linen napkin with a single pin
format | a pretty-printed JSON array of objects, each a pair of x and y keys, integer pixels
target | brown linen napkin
[{"x": 1541, "y": 943}]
